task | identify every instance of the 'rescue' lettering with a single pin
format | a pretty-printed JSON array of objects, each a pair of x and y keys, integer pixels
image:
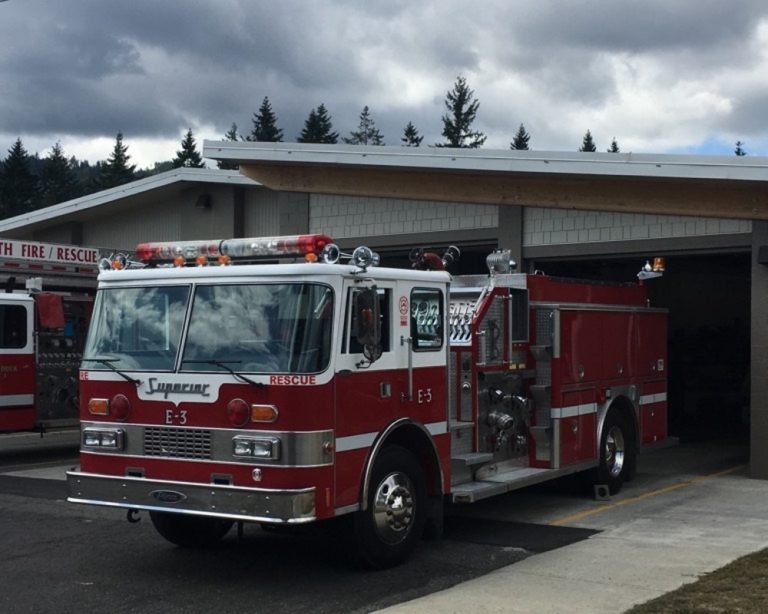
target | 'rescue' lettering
[
  {"x": 48, "y": 252},
  {"x": 166, "y": 388},
  {"x": 292, "y": 380}
]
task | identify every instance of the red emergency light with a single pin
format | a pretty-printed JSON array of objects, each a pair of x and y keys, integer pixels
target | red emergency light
[{"x": 310, "y": 247}]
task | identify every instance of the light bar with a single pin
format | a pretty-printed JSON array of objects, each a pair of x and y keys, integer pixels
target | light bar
[{"x": 307, "y": 246}]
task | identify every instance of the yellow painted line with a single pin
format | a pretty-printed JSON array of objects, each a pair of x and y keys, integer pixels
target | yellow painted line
[{"x": 648, "y": 495}]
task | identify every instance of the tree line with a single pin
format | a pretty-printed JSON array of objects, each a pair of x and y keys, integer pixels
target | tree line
[{"x": 28, "y": 182}]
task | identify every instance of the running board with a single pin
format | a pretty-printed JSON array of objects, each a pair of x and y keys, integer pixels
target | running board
[{"x": 501, "y": 483}]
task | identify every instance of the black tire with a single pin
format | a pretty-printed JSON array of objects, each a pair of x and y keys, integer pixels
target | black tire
[
  {"x": 387, "y": 532},
  {"x": 190, "y": 531},
  {"x": 617, "y": 452}
]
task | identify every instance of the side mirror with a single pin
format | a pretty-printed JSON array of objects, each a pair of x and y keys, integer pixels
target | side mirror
[{"x": 367, "y": 329}]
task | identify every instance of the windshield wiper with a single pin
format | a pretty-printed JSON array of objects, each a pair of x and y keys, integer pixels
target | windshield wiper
[
  {"x": 223, "y": 365},
  {"x": 107, "y": 360}
]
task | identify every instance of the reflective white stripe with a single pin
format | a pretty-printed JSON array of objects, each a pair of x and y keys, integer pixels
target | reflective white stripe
[
  {"x": 437, "y": 428},
  {"x": 365, "y": 440},
  {"x": 355, "y": 442},
  {"x": 8, "y": 400},
  {"x": 647, "y": 399},
  {"x": 574, "y": 410}
]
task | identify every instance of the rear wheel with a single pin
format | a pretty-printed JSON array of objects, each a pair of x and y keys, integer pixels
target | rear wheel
[
  {"x": 190, "y": 531},
  {"x": 387, "y": 532},
  {"x": 617, "y": 452}
]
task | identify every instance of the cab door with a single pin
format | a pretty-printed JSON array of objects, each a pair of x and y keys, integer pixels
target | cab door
[
  {"x": 367, "y": 393},
  {"x": 17, "y": 363}
]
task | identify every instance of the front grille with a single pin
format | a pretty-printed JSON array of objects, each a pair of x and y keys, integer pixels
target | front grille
[{"x": 177, "y": 443}]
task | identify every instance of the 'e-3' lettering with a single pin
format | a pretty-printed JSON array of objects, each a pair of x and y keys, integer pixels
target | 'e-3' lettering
[{"x": 173, "y": 417}]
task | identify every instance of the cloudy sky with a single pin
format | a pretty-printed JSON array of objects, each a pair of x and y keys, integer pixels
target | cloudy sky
[{"x": 661, "y": 76}]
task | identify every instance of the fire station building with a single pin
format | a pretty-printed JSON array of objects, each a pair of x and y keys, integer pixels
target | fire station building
[{"x": 580, "y": 215}]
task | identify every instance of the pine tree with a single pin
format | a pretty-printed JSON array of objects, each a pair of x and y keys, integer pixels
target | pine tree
[
  {"x": 20, "y": 188},
  {"x": 614, "y": 148},
  {"x": 265, "y": 125},
  {"x": 739, "y": 151},
  {"x": 188, "y": 156},
  {"x": 116, "y": 170},
  {"x": 520, "y": 142},
  {"x": 58, "y": 181},
  {"x": 457, "y": 123},
  {"x": 318, "y": 128},
  {"x": 411, "y": 136},
  {"x": 587, "y": 144},
  {"x": 367, "y": 133},
  {"x": 230, "y": 135}
]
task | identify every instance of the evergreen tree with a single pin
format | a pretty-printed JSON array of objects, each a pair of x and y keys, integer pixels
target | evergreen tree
[
  {"x": 739, "y": 151},
  {"x": 20, "y": 187},
  {"x": 411, "y": 136},
  {"x": 58, "y": 181},
  {"x": 457, "y": 123},
  {"x": 587, "y": 144},
  {"x": 614, "y": 148},
  {"x": 318, "y": 128},
  {"x": 367, "y": 133},
  {"x": 116, "y": 170},
  {"x": 230, "y": 135},
  {"x": 188, "y": 156},
  {"x": 265, "y": 125},
  {"x": 520, "y": 142},
  {"x": 87, "y": 176}
]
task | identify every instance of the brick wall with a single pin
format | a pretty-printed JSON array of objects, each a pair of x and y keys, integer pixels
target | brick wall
[
  {"x": 561, "y": 227},
  {"x": 349, "y": 217}
]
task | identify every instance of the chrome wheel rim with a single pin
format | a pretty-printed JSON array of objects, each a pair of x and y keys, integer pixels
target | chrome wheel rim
[
  {"x": 394, "y": 508},
  {"x": 615, "y": 451}
]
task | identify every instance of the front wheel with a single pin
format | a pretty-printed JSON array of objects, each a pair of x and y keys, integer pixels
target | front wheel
[
  {"x": 387, "y": 532},
  {"x": 190, "y": 531},
  {"x": 617, "y": 452}
]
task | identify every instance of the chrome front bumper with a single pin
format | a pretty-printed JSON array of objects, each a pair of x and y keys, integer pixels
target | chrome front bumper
[{"x": 215, "y": 500}]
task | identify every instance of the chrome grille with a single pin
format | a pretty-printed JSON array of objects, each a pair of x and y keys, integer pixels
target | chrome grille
[{"x": 177, "y": 443}]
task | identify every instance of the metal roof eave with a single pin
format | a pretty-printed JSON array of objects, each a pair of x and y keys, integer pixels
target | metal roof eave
[{"x": 651, "y": 166}]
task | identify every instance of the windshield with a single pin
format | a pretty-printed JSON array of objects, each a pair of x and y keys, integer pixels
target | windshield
[
  {"x": 256, "y": 328},
  {"x": 136, "y": 328},
  {"x": 260, "y": 328}
]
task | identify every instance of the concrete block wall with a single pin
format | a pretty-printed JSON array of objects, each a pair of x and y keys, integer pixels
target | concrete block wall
[
  {"x": 344, "y": 217},
  {"x": 565, "y": 226}
]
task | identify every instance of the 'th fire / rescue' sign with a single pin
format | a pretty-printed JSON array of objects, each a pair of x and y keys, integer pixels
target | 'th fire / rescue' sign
[{"x": 48, "y": 252}]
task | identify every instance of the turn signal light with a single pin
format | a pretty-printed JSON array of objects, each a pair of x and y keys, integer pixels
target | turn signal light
[
  {"x": 98, "y": 407},
  {"x": 263, "y": 413}
]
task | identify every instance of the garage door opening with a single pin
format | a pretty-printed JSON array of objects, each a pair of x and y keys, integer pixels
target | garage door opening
[{"x": 708, "y": 297}]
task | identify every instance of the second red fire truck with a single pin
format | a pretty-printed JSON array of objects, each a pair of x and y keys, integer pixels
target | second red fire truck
[
  {"x": 45, "y": 306},
  {"x": 292, "y": 393}
]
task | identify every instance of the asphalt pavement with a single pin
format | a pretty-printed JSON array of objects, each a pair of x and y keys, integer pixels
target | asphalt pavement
[{"x": 692, "y": 509}]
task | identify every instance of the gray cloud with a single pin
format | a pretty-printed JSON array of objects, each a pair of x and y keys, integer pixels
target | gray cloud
[{"x": 88, "y": 68}]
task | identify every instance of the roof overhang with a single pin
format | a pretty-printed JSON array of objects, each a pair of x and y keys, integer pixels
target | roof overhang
[
  {"x": 714, "y": 186},
  {"x": 75, "y": 209}
]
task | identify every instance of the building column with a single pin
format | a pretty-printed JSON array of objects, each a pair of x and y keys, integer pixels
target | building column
[
  {"x": 510, "y": 232},
  {"x": 759, "y": 350}
]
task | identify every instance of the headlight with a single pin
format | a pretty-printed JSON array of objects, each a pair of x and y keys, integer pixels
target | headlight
[
  {"x": 103, "y": 438},
  {"x": 267, "y": 448}
]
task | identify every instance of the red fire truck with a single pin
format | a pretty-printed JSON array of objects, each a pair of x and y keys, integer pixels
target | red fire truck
[
  {"x": 42, "y": 333},
  {"x": 296, "y": 392}
]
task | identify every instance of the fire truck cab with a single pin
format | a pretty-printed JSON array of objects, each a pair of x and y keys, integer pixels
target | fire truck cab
[{"x": 292, "y": 393}]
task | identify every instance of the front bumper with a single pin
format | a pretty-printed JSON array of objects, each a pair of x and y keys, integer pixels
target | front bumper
[{"x": 213, "y": 500}]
